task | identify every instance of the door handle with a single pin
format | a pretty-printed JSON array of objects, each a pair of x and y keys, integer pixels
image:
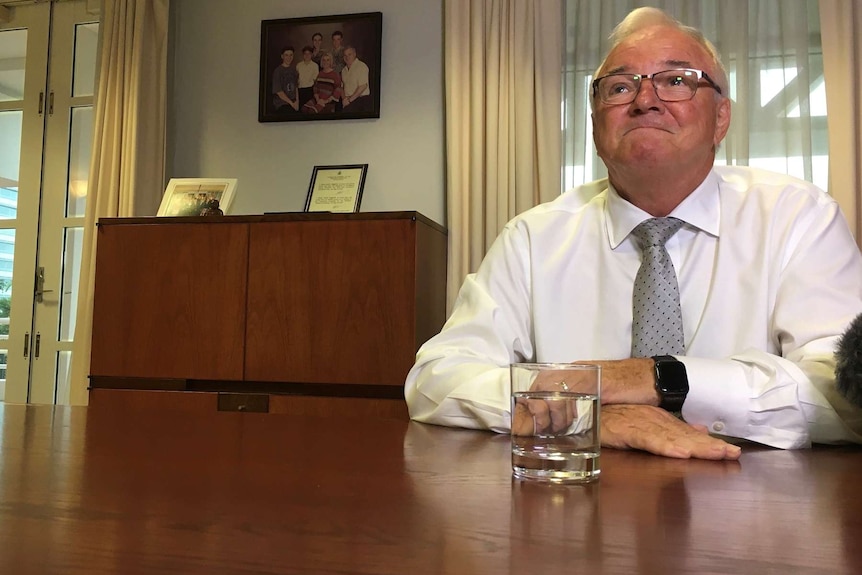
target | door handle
[{"x": 40, "y": 285}]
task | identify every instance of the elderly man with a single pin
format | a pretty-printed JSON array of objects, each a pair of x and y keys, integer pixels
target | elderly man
[
  {"x": 354, "y": 76},
  {"x": 754, "y": 276}
]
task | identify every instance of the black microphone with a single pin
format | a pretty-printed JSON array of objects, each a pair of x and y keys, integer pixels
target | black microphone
[{"x": 848, "y": 363}]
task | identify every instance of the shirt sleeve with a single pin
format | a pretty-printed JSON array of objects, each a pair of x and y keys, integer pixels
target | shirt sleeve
[
  {"x": 788, "y": 399},
  {"x": 461, "y": 375}
]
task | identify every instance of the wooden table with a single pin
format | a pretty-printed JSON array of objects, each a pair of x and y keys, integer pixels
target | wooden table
[{"x": 155, "y": 491}]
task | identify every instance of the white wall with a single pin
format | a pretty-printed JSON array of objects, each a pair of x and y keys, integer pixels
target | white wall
[{"x": 213, "y": 129}]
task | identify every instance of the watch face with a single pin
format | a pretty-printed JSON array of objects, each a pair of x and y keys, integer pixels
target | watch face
[{"x": 672, "y": 377}]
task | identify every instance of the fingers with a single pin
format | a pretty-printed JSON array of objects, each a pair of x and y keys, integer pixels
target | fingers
[
  {"x": 522, "y": 419},
  {"x": 542, "y": 416},
  {"x": 656, "y": 431},
  {"x": 560, "y": 412},
  {"x": 541, "y": 413},
  {"x": 553, "y": 414},
  {"x": 688, "y": 446}
]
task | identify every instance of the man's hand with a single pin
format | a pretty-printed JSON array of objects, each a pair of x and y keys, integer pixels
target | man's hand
[
  {"x": 535, "y": 416},
  {"x": 655, "y": 430}
]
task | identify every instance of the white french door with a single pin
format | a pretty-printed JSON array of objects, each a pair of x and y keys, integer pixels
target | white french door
[{"x": 47, "y": 79}]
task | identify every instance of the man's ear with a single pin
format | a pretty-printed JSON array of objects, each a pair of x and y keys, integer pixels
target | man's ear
[
  {"x": 722, "y": 120},
  {"x": 593, "y": 120}
]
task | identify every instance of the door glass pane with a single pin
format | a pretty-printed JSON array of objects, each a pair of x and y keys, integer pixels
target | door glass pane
[
  {"x": 7, "y": 251},
  {"x": 71, "y": 274},
  {"x": 13, "y": 52},
  {"x": 80, "y": 141},
  {"x": 64, "y": 364},
  {"x": 10, "y": 155},
  {"x": 86, "y": 43}
]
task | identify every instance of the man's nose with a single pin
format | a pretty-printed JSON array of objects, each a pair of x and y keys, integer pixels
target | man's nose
[{"x": 647, "y": 97}]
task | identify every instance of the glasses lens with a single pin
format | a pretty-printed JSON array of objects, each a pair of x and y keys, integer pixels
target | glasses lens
[
  {"x": 618, "y": 88},
  {"x": 675, "y": 85},
  {"x": 670, "y": 86}
]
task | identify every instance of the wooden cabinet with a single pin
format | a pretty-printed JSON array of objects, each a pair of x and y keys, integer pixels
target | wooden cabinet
[
  {"x": 170, "y": 300},
  {"x": 306, "y": 304}
]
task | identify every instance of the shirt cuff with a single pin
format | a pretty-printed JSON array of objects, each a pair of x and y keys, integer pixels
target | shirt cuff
[{"x": 714, "y": 400}]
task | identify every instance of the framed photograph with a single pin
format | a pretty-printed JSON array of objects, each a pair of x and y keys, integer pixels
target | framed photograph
[
  {"x": 320, "y": 68},
  {"x": 336, "y": 189},
  {"x": 197, "y": 197}
]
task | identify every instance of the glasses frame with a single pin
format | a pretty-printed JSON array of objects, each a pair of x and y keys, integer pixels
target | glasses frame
[{"x": 639, "y": 78}]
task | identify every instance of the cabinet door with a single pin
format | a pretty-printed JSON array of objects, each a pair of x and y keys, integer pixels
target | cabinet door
[
  {"x": 331, "y": 301},
  {"x": 170, "y": 300}
]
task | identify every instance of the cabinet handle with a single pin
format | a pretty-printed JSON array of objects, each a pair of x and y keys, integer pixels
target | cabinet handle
[
  {"x": 41, "y": 102},
  {"x": 26, "y": 344}
]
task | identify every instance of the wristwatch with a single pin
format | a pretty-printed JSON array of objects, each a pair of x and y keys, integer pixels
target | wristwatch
[{"x": 671, "y": 382}]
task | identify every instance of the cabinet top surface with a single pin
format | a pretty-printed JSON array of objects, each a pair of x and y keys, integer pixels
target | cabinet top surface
[{"x": 274, "y": 217}]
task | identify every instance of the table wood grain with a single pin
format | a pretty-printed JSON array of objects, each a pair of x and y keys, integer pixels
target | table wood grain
[{"x": 132, "y": 491}]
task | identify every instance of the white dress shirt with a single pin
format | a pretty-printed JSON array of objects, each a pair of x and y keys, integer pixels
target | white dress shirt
[
  {"x": 354, "y": 76},
  {"x": 769, "y": 277}
]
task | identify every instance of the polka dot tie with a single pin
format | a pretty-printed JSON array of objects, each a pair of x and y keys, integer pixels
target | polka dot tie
[{"x": 656, "y": 313}]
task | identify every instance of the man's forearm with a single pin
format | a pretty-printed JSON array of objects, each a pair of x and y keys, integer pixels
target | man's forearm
[{"x": 628, "y": 381}]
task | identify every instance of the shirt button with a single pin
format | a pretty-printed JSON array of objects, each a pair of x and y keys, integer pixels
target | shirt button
[{"x": 718, "y": 426}]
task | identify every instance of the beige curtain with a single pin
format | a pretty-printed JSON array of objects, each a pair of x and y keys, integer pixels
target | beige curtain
[
  {"x": 841, "y": 27},
  {"x": 128, "y": 161},
  {"x": 502, "y": 60}
]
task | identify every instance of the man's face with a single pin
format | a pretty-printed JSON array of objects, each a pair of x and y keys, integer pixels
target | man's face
[
  {"x": 349, "y": 56},
  {"x": 336, "y": 40},
  {"x": 649, "y": 132},
  {"x": 316, "y": 41},
  {"x": 306, "y": 55},
  {"x": 287, "y": 57}
]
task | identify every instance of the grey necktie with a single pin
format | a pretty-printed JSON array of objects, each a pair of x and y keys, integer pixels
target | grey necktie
[{"x": 656, "y": 313}]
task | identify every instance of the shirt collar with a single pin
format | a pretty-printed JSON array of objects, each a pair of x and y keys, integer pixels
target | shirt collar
[{"x": 700, "y": 210}]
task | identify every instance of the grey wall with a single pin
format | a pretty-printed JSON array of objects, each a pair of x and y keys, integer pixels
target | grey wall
[{"x": 212, "y": 109}]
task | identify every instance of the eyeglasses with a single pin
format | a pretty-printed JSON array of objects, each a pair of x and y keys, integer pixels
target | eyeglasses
[{"x": 670, "y": 85}]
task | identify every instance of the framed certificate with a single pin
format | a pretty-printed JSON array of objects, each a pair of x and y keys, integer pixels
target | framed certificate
[{"x": 336, "y": 188}]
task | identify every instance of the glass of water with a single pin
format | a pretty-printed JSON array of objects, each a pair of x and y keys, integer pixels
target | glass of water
[{"x": 555, "y": 421}]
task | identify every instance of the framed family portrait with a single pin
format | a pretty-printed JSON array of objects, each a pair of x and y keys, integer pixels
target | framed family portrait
[
  {"x": 197, "y": 197},
  {"x": 336, "y": 189},
  {"x": 320, "y": 68}
]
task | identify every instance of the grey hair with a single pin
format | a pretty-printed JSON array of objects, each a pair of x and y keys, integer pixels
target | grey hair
[{"x": 646, "y": 17}]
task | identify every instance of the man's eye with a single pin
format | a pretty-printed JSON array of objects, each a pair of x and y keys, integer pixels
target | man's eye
[
  {"x": 619, "y": 88},
  {"x": 676, "y": 81}
]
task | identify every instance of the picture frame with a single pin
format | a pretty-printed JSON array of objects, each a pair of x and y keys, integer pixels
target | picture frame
[
  {"x": 286, "y": 94},
  {"x": 336, "y": 189},
  {"x": 197, "y": 196}
]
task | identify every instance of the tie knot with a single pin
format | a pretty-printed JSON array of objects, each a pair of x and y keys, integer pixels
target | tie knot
[{"x": 656, "y": 231}]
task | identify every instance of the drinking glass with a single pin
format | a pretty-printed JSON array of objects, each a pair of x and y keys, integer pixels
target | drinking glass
[{"x": 555, "y": 421}]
